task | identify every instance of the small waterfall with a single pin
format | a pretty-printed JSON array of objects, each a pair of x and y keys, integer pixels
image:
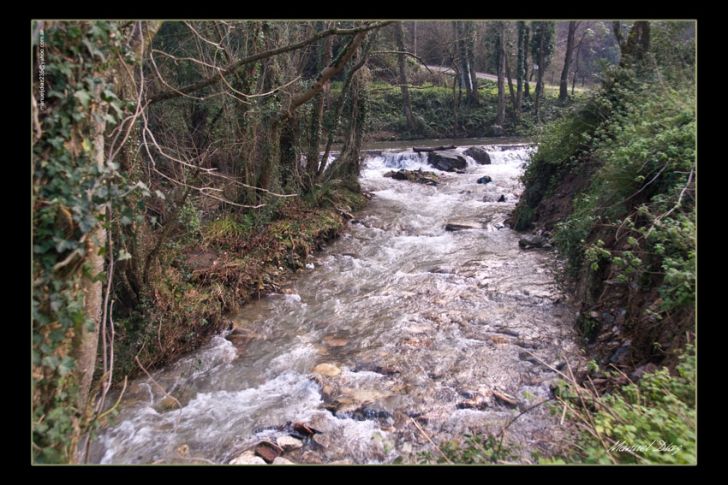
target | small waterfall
[{"x": 408, "y": 159}]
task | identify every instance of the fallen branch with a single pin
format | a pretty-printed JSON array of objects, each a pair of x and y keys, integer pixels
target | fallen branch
[{"x": 433, "y": 149}]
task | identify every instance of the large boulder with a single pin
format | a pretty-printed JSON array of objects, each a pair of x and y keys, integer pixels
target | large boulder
[
  {"x": 447, "y": 160},
  {"x": 478, "y": 154}
]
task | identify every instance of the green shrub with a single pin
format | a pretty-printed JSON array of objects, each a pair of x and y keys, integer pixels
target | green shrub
[
  {"x": 653, "y": 421},
  {"x": 472, "y": 449},
  {"x": 646, "y": 152},
  {"x": 227, "y": 228}
]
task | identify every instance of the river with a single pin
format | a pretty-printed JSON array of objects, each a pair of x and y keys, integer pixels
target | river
[{"x": 426, "y": 335}]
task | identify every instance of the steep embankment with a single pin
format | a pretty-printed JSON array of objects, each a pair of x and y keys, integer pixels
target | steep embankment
[
  {"x": 614, "y": 186},
  {"x": 221, "y": 265}
]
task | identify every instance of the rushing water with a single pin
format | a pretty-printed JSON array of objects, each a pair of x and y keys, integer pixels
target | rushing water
[{"x": 423, "y": 324}]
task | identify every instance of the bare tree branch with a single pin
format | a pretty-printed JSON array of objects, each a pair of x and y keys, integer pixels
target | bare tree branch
[{"x": 190, "y": 88}]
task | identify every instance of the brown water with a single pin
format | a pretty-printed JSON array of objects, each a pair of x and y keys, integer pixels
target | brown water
[{"x": 424, "y": 325}]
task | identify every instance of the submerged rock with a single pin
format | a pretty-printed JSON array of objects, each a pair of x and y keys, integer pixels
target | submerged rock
[
  {"x": 461, "y": 225},
  {"x": 447, "y": 161},
  {"x": 240, "y": 337},
  {"x": 484, "y": 179},
  {"x": 502, "y": 198},
  {"x": 327, "y": 370},
  {"x": 478, "y": 154},
  {"x": 332, "y": 341},
  {"x": 167, "y": 403}
]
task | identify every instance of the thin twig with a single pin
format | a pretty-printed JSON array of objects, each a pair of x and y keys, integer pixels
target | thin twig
[
  {"x": 430, "y": 440},
  {"x": 166, "y": 394}
]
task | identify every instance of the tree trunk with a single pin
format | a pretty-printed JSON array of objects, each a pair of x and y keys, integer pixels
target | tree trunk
[
  {"x": 467, "y": 77},
  {"x": 317, "y": 113},
  {"x": 638, "y": 43},
  {"x": 576, "y": 69},
  {"x": 414, "y": 37},
  {"x": 501, "y": 108},
  {"x": 401, "y": 61},
  {"x": 564, "y": 84},
  {"x": 470, "y": 46},
  {"x": 577, "y": 56},
  {"x": 348, "y": 166},
  {"x": 526, "y": 36},
  {"x": 539, "y": 76},
  {"x": 86, "y": 352},
  {"x": 92, "y": 289},
  {"x": 514, "y": 101},
  {"x": 520, "y": 67}
]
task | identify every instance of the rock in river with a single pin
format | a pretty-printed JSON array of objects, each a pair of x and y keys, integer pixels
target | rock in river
[
  {"x": 529, "y": 242},
  {"x": 268, "y": 451},
  {"x": 462, "y": 225},
  {"x": 288, "y": 443},
  {"x": 484, "y": 179},
  {"x": 447, "y": 160},
  {"x": 328, "y": 370},
  {"x": 417, "y": 176},
  {"x": 478, "y": 154}
]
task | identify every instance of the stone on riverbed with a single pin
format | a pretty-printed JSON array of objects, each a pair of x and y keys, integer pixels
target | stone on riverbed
[
  {"x": 447, "y": 160},
  {"x": 484, "y": 179},
  {"x": 478, "y": 154}
]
